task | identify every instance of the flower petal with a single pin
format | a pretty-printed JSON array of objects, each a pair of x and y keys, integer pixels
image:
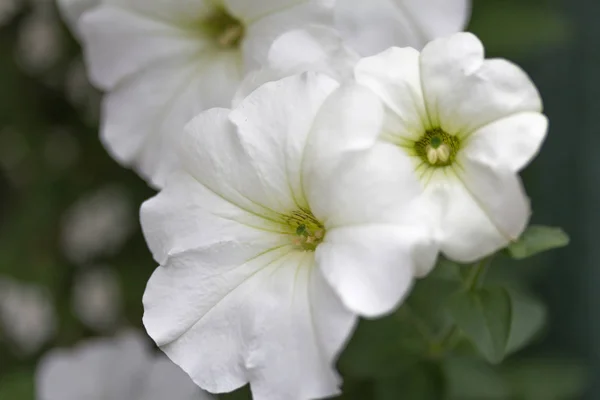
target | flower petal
[
  {"x": 481, "y": 210},
  {"x": 275, "y": 17},
  {"x": 72, "y": 10},
  {"x": 165, "y": 380},
  {"x": 464, "y": 93},
  {"x": 370, "y": 267},
  {"x": 511, "y": 142},
  {"x": 252, "y": 11},
  {"x": 394, "y": 75},
  {"x": 122, "y": 37},
  {"x": 373, "y": 26},
  {"x": 93, "y": 369},
  {"x": 315, "y": 48},
  {"x": 175, "y": 221},
  {"x": 273, "y": 126},
  {"x": 344, "y": 164},
  {"x": 144, "y": 115},
  {"x": 259, "y": 321}
]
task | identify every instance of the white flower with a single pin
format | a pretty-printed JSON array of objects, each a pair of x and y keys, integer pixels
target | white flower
[
  {"x": 27, "y": 315},
  {"x": 162, "y": 62},
  {"x": 121, "y": 368},
  {"x": 372, "y": 26},
  {"x": 289, "y": 219},
  {"x": 39, "y": 43},
  {"x": 469, "y": 126}
]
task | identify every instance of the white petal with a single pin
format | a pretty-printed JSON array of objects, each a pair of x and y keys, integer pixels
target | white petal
[
  {"x": 174, "y": 11},
  {"x": 481, "y": 210},
  {"x": 144, "y": 116},
  {"x": 511, "y": 142},
  {"x": 273, "y": 126},
  {"x": 370, "y": 267},
  {"x": 315, "y": 48},
  {"x": 123, "y": 367},
  {"x": 463, "y": 92},
  {"x": 394, "y": 75},
  {"x": 93, "y": 369},
  {"x": 284, "y": 16},
  {"x": 71, "y": 11},
  {"x": 120, "y": 40},
  {"x": 345, "y": 164},
  {"x": 257, "y": 321},
  {"x": 252, "y": 11},
  {"x": 165, "y": 380},
  {"x": 375, "y": 25},
  {"x": 186, "y": 215}
]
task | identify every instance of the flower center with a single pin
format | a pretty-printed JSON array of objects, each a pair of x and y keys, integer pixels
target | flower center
[
  {"x": 308, "y": 231},
  {"x": 226, "y": 30},
  {"x": 437, "y": 148}
]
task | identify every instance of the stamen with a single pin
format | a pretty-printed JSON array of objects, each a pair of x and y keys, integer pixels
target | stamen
[
  {"x": 437, "y": 148},
  {"x": 309, "y": 232}
]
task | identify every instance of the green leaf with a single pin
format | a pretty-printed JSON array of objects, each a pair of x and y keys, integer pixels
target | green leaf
[
  {"x": 485, "y": 317},
  {"x": 529, "y": 317},
  {"x": 385, "y": 347},
  {"x": 428, "y": 302},
  {"x": 473, "y": 379},
  {"x": 538, "y": 239},
  {"x": 531, "y": 26},
  {"x": 546, "y": 379},
  {"x": 425, "y": 381}
]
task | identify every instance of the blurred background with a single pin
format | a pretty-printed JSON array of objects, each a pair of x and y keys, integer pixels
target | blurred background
[{"x": 73, "y": 262}]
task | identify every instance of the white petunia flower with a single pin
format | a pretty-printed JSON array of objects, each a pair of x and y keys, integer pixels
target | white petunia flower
[
  {"x": 288, "y": 220},
  {"x": 372, "y": 26},
  {"x": 27, "y": 315},
  {"x": 121, "y": 368},
  {"x": 163, "y": 62},
  {"x": 469, "y": 126}
]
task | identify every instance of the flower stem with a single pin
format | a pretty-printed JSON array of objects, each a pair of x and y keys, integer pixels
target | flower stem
[
  {"x": 473, "y": 281},
  {"x": 477, "y": 273}
]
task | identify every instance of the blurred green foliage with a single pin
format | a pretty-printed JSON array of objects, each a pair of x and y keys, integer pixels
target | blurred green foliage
[{"x": 429, "y": 349}]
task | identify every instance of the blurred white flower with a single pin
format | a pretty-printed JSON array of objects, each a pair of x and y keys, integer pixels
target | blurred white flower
[
  {"x": 372, "y": 26},
  {"x": 163, "y": 62},
  {"x": 97, "y": 298},
  {"x": 39, "y": 43},
  {"x": 289, "y": 219},
  {"x": 27, "y": 316},
  {"x": 120, "y": 368},
  {"x": 468, "y": 126},
  {"x": 97, "y": 225},
  {"x": 8, "y": 9}
]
